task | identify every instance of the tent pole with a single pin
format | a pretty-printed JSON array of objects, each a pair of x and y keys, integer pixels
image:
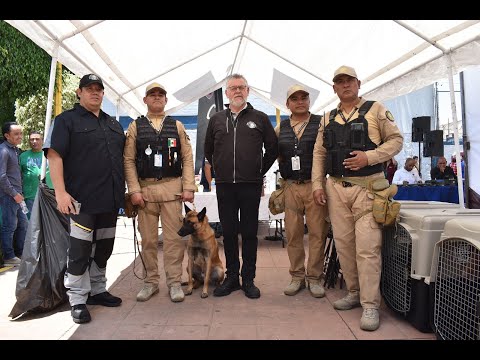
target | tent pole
[
  {"x": 48, "y": 116},
  {"x": 455, "y": 130},
  {"x": 117, "y": 110},
  {"x": 465, "y": 143}
]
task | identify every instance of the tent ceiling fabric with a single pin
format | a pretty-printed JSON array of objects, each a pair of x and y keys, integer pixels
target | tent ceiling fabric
[{"x": 193, "y": 58}]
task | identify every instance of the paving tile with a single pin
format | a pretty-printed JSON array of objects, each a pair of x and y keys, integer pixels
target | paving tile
[
  {"x": 232, "y": 332},
  {"x": 185, "y": 332},
  {"x": 138, "y": 332},
  {"x": 282, "y": 332}
]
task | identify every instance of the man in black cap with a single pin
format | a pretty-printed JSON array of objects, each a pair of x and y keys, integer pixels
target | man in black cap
[{"x": 86, "y": 166}]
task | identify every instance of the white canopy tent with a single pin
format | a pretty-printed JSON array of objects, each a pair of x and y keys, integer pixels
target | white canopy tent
[{"x": 192, "y": 58}]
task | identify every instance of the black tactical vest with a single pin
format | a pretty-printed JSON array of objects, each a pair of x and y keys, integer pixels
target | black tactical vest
[
  {"x": 341, "y": 139},
  {"x": 289, "y": 146},
  {"x": 165, "y": 143}
]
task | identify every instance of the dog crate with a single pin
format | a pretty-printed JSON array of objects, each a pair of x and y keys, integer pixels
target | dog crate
[
  {"x": 407, "y": 253},
  {"x": 456, "y": 281},
  {"x": 409, "y": 204}
]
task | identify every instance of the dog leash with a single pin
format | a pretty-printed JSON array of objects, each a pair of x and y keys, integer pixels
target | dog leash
[
  {"x": 135, "y": 247},
  {"x": 136, "y": 244}
]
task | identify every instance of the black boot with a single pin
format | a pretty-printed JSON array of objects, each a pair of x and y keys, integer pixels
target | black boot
[
  {"x": 231, "y": 283},
  {"x": 251, "y": 291},
  {"x": 105, "y": 299},
  {"x": 80, "y": 314}
]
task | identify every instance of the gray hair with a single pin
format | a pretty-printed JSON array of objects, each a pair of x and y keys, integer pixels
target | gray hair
[{"x": 237, "y": 76}]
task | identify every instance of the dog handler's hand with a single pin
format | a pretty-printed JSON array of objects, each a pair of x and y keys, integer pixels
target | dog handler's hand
[
  {"x": 137, "y": 199},
  {"x": 188, "y": 195},
  {"x": 319, "y": 197}
]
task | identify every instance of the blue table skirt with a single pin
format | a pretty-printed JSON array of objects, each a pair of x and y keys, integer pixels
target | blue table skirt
[{"x": 428, "y": 193}]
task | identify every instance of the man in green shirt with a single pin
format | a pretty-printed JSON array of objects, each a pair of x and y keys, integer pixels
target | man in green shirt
[{"x": 30, "y": 166}]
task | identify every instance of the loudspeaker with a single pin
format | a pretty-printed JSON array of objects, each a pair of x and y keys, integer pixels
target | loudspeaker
[
  {"x": 420, "y": 125},
  {"x": 433, "y": 145}
]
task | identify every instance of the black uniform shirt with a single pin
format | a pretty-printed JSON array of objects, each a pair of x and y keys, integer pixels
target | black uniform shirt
[{"x": 92, "y": 153}]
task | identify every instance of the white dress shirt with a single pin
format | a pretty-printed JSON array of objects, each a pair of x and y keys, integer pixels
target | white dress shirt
[{"x": 402, "y": 175}]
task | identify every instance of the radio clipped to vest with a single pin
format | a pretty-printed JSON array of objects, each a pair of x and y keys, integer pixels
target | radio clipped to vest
[
  {"x": 328, "y": 139},
  {"x": 357, "y": 136}
]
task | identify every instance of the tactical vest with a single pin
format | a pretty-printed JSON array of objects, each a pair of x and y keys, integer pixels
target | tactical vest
[
  {"x": 340, "y": 140},
  {"x": 165, "y": 143},
  {"x": 289, "y": 146}
]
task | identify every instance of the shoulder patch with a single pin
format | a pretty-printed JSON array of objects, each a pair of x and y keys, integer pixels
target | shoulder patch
[{"x": 389, "y": 116}]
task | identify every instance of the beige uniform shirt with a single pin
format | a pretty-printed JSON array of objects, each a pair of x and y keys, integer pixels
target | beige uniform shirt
[
  {"x": 380, "y": 129},
  {"x": 130, "y": 152}
]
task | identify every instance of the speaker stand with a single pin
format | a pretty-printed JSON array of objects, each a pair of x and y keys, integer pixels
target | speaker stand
[{"x": 419, "y": 160}]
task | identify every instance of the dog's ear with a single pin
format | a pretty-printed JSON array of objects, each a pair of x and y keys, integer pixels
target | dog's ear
[
  {"x": 201, "y": 214},
  {"x": 187, "y": 209}
]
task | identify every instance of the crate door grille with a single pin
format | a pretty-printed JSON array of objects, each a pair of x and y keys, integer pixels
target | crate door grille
[
  {"x": 457, "y": 291},
  {"x": 396, "y": 263}
]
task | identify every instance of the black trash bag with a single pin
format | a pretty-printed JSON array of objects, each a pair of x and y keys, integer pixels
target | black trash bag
[{"x": 44, "y": 260}]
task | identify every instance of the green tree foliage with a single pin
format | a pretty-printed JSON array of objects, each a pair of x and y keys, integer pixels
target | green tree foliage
[
  {"x": 24, "y": 69},
  {"x": 31, "y": 110}
]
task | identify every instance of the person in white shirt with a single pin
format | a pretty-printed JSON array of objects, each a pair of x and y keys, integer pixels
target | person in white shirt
[
  {"x": 405, "y": 175},
  {"x": 416, "y": 166}
]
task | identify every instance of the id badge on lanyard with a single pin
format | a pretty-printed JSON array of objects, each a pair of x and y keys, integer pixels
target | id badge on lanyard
[
  {"x": 157, "y": 160},
  {"x": 295, "y": 162}
]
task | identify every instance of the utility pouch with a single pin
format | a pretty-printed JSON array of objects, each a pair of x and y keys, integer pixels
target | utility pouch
[
  {"x": 276, "y": 203},
  {"x": 385, "y": 210},
  {"x": 380, "y": 184}
]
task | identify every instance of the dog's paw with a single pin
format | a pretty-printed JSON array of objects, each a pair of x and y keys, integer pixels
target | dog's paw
[
  {"x": 188, "y": 291},
  {"x": 204, "y": 295}
]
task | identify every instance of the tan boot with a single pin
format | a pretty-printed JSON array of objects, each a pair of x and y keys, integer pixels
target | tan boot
[
  {"x": 147, "y": 292},
  {"x": 294, "y": 287},
  {"x": 316, "y": 289},
  {"x": 370, "y": 320},
  {"x": 348, "y": 302},
  {"x": 176, "y": 293}
]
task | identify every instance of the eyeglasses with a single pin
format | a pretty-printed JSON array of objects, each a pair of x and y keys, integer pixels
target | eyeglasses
[{"x": 235, "y": 88}]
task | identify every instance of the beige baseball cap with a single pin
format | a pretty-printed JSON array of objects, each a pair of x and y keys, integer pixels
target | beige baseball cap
[
  {"x": 294, "y": 88},
  {"x": 344, "y": 70},
  {"x": 155, "y": 85}
]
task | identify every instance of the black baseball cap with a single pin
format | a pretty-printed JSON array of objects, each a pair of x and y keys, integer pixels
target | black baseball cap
[{"x": 90, "y": 79}]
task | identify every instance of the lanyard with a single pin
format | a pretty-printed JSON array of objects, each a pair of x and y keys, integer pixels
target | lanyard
[
  {"x": 349, "y": 116},
  {"x": 300, "y": 129},
  {"x": 151, "y": 124}
]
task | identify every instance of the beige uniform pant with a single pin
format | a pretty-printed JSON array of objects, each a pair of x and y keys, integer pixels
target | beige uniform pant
[
  {"x": 170, "y": 213},
  {"x": 358, "y": 243},
  {"x": 299, "y": 201}
]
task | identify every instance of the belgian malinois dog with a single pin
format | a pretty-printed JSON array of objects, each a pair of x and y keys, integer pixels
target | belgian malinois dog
[{"x": 204, "y": 264}]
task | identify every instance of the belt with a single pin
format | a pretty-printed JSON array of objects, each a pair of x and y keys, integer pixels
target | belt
[
  {"x": 146, "y": 181},
  {"x": 300, "y": 181}
]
